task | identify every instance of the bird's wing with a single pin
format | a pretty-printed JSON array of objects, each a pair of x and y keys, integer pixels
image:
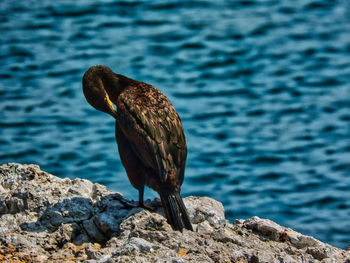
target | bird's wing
[{"x": 154, "y": 129}]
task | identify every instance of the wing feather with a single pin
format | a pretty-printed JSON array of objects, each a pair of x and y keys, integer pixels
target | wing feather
[{"x": 154, "y": 129}]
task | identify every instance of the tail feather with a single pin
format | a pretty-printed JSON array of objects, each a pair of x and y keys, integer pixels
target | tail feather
[
  {"x": 183, "y": 210},
  {"x": 175, "y": 211}
]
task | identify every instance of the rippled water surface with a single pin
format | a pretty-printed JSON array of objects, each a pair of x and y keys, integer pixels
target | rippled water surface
[{"x": 262, "y": 87}]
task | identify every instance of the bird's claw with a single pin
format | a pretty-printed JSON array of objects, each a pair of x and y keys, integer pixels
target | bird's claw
[
  {"x": 127, "y": 203},
  {"x": 151, "y": 205}
]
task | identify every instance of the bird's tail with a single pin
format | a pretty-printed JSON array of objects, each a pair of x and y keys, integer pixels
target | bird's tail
[{"x": 175, "y": 210}]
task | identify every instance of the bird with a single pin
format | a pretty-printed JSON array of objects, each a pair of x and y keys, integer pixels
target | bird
[{"x": 149, "y": 134}]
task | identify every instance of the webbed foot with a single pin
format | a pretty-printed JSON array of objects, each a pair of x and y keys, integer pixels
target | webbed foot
[{"x": 151, "y": 205}]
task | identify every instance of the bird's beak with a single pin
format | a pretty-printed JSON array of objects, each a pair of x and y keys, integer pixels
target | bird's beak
[{"x": 111, "y": 107}]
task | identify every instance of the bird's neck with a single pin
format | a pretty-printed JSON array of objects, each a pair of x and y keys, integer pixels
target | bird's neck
[{"x": 126, "y": 82}]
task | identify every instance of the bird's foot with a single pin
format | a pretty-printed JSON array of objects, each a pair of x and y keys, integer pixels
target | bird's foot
[
  {"x": 151, "y": 205},
  {"x": 127, "y": 203}
]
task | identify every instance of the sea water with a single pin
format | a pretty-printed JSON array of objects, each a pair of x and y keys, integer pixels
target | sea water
[{"x": 262, "y": 88}]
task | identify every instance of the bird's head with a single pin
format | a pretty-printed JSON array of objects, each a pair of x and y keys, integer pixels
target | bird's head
[{"x": 101, "y": 88}]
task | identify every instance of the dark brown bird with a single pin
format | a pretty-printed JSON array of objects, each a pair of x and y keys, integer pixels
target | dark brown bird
[{"x": 149, "y": 134}]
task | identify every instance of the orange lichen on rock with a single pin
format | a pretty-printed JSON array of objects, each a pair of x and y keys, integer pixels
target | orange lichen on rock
[
  {"x": 9, "y": 254},
  {"x": 182, "y": 252}
]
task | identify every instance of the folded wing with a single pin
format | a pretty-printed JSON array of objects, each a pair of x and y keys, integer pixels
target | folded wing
[{"x": 154, "y": 130}]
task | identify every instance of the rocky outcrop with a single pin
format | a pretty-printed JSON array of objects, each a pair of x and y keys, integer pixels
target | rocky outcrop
[{"x": 47, "y": 219}]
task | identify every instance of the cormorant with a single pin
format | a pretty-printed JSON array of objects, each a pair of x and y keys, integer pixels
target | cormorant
[{"x": 149, "y": 134}]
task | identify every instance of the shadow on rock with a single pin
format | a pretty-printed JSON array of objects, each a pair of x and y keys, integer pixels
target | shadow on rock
[{"x": 80, "y": 220}]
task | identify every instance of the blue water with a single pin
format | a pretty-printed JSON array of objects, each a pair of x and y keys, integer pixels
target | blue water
[{"x": 262, "y": 87}]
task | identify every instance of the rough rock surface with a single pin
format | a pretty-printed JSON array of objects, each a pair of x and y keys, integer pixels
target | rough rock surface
[{"x": 47, "y": 219}]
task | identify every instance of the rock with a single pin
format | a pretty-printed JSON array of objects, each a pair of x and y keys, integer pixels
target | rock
[
  {"x": 93, "y": 232},
  {"x": 203, "y": 209},
  {"x": 44, "y": 218},
  {"x": 264, "y": 227}
]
